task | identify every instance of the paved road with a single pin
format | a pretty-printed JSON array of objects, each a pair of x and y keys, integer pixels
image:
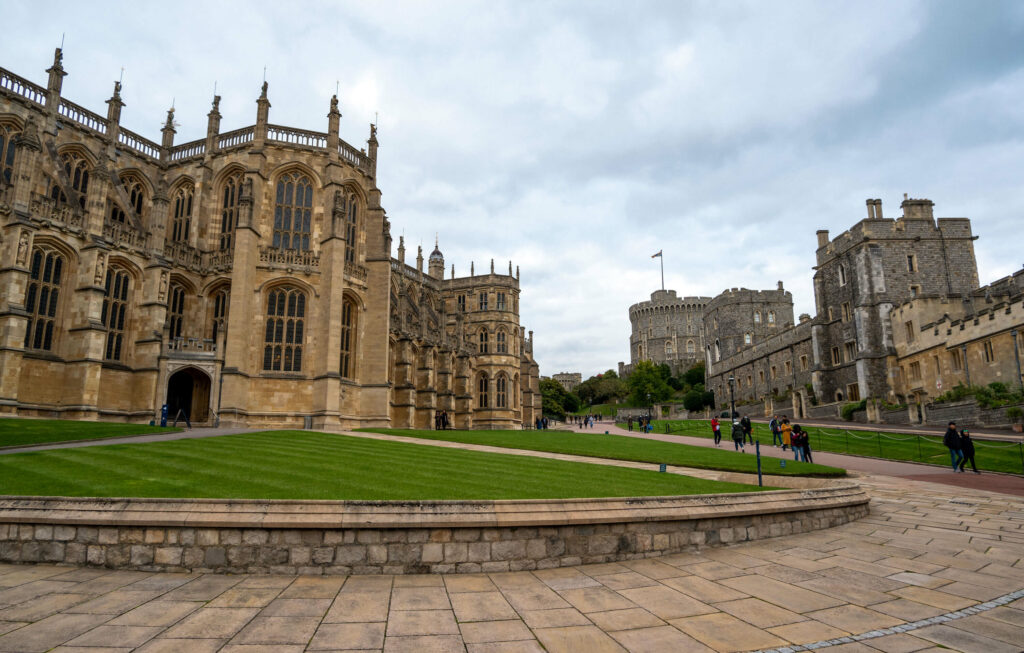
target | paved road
[{"x": 930, "y": 566}]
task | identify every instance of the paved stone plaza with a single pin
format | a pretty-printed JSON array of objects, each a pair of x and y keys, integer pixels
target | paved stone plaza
[{"x": 928, "y": 560}]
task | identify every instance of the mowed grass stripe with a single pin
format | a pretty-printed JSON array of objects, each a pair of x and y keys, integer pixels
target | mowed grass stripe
[
  {"x": 622, "y": 447},
  {"x": 310, "y": 465},
  {"x": 24, "y": 432}
]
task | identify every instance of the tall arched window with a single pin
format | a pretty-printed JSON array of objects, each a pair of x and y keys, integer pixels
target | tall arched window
[
  {"x": 293, "y": 211},
  {"x": 690, "y": 347},
  {"x": 182, "y": 216},
  {"x": 718, "y": 351},
  {"x": 176, "y": 309},
  {"x": 747, "y": 338},
  {"x": 286, "y": 312},
  {"x": 77, "y": 169},
  {"x": 501, "y": 391},
  {"x": 501, "y": 342},
  {"x": 483, "y": 394},
  {"x": 484, "y": 347},
  {"x": 115, "y": 308},
  {"x": 8, "y": 133},
  {"x": 350, "y": 230},
  {"x": 771, "y": 317},
  {"x": 134, "y": 189},
  {"x": 348, "y": 338},
  {"x": 757, "y": 317},
  {"x": 229, "y": 211},
  {"x": 221, "y": 297},
  {"x": 842, "y": 275},
  {"x": 42, "y": 298},
  {"x": 668, "y": 348}
]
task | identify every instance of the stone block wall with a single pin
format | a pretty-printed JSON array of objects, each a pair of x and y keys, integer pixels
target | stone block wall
[{"x": 393, "y": 550}]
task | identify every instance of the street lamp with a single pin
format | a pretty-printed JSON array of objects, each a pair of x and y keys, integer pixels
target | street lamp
[
  {"x": 650, "y": 408},
  {"x": 732, "y": 399}
]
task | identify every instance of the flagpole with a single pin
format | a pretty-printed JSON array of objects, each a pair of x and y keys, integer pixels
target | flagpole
[{"x": 662, "y": 257}]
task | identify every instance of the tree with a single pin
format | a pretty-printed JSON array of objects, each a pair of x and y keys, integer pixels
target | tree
[
  {"x": 556, "y": 400},
  {"x": 695, "y": 375},
  {"x": 645, "y": 380},
  {"x": 693, "y": 400}
]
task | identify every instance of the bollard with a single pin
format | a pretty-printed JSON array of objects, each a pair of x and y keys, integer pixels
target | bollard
[{"x": 757, "y": 450}]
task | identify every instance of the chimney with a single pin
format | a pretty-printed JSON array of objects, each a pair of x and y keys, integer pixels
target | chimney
[
  {"x": 822, "y": 237},
  {"x": 878, "y": 209},
  {"x": 871, "y": 209},
  {"x": 780, "y": 286}
]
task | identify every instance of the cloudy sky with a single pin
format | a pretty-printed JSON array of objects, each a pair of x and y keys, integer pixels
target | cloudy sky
[{"x": 576, "y": 139}]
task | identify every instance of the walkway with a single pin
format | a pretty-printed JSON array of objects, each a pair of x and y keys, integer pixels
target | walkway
[
  {"x": 920, "y": 571},
  {"x": 994, "y": 482}
]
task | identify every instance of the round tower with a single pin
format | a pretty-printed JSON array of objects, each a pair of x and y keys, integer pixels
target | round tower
[{"x": 435, "y": 267}]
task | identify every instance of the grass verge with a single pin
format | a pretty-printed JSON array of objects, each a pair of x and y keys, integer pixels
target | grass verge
[
  {"x": 619, "y": 447},
  {"x": 311, "y": 465},
  {"x": 989, "y": 455},
  {"x": 16, "y": 432}
]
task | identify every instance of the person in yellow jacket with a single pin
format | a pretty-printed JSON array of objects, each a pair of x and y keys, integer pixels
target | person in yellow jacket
[{"x": 787, "y": 433}]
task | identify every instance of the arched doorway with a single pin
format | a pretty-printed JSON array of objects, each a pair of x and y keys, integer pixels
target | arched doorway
[{"x": 188, "y": 390}]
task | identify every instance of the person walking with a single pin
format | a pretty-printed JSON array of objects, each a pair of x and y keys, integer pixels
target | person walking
[
  {"x": 773, "y": 426},
  {"x": 630, "y": 422},
  {"x": 967, "y": 451},
  {"x": 797, "y": 441},
  {"x": 952, "y": 441},
  {"x": 748, "y": 430},
  {"x": 805, "y": 443},
  {"x": 786, "y": 433},
  {"x": 737, "y": 436},
  {"x": 716, "y": 430}
]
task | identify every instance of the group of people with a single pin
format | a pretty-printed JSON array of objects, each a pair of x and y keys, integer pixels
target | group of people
[
  {"x": 441, "y": 422},
  {"x": 783, "y": 434},
  {"x": 643, "y": 423},
  {"x": 584, "y": 421},
  {"x": 541, "y": 423},
  {"x": 961, "y": 447}
]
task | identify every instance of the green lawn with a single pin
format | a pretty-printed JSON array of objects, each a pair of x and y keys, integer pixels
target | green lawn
[
  {"x": 312, "y": 465},
  {"x": 600, "y": 409},
  {"x": 989, "y": 455},
  {"x": 22, "y": 432},
  {"x": 621, "y": 447}
]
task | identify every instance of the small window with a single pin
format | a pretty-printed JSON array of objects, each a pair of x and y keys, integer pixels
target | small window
[
  {"x": 668, "y": 348},
  {"x": 803, "y": 362},
  {"x": 748, "y": 338},
  {"x": 909, "y": 326},
  {"x": 836, "y": 358},
  {"x": 8, "y": 134},
  {"x": 956, "y": 360},
  {"x": 847, "y": 314},
  {"x": 220, "y": 312},
  {"x": 851, "y": 350},
  {"x": 750, "y": 381},
  {"x": 774, "y": 372},
  {"x": 989, "y": 352},
  {"x": 789, "y": 368},
  {"x": 915, "y": 371},
  {"x": 771, "y": 317},
  {"x": 229, "y": 211},
  {"x": 853, "y": 392},
  {"x": 462, "y": 303},
  {"x": 938, "y": 368},
  {"x": 831, "y": 316},
  {"x": 690, "y": 347},
  {"x": 760, "y": 376},
  {"x": 483, "y": 301},
  {"x": 500, "y": 301},
  {"x": 915, "y": 290},
  {"x": 842, "y": 275},
  {"x": 757, "y": 317},
  {"x": 348, "y": 339},
  {"x": 911, "y": 263},
  {"x": 483, "y": 341}
]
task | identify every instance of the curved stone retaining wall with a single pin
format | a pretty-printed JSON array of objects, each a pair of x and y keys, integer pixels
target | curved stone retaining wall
[{"x": 352, "y": 537}]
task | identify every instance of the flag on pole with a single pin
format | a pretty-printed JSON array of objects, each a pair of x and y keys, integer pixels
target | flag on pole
[{"x": 657, "y": 255}]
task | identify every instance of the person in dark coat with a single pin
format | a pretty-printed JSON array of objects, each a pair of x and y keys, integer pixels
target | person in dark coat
[
  {"x": 748, "y": 430},
  {"x": 737, "y": 436},
  {"x": 967, "y": 451},
  {"x": 952, "y": 441}
]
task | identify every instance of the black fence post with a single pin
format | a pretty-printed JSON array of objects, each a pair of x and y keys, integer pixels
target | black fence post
[{"x": 920, "y": 458}]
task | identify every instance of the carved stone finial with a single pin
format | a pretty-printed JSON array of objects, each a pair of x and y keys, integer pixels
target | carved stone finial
[
  {"x": 263, "y": 92},
  {"x": 117, "y": 91},
  {"x": 58, "y": 57},
  {"x": 334, "y": 104},
  {"x": 216, "y": 103},
  {"x": 170, "y": 119}
]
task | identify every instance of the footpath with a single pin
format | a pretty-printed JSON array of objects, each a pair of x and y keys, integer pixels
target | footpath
[{"x": 987, "y": 481}]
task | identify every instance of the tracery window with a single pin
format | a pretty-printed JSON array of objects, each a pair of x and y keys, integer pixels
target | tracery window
[
  {"x": 484, "y": 348},
  {"x": 771, "y": 317},
  {"x": 501, "y": 391},
  {"x": 668, "y": 348},
  {"x": 461, "y": 301},
  {"x": 229, "y": 210},
  {"x": 42, "y": 298},
  {"x": 134, "y": 189},
  {"x": 690, "y": 347},
  {"x": 77, "y": 170},
  {"x": 293, "y": 212},
  {"x": 483, "y": 301},
  {"x": 286, "y": 312},
  {"x": 176, "y": 309},
  {"x": 483, "y": 396},
  {"x": 501, "y": 343},
  {"x": 500, "y": 300},
  {"x": 348, "y": 338},
  {"x": 757, "y": 317},
  {"x": 350, "y": 230},
  {"x": 220, "y": 312},
  {"x": 8, "y": 134},
  {"x": 182, "y": 217},
  {"x": 115, "y": 308}
]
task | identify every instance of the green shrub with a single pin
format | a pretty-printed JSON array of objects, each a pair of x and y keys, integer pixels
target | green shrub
[
  {"x": 849, "y": 409},
  {"x": 1014, "y": 413}
]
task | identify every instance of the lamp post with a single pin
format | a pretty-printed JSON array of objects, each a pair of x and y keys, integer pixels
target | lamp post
[
  {"x": 650, "y": 408},
  {"x": 732, "y": 398}
]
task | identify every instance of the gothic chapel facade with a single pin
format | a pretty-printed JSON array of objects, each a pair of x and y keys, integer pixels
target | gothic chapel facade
[{"x": 244, "y": 278}]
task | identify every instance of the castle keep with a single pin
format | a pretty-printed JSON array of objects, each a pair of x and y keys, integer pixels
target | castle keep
[
  {"x": 246, "y": 277},
  {"x": 899, "y": 318},
  {"x": 667, "y": 329}
]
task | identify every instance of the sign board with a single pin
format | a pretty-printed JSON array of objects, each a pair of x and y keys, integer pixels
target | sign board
[{"x": 938, "y": 384}]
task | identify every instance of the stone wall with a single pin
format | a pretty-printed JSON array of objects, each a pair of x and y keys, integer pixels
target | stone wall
[
  {"x": 966, "y": 413},
  {"x": 587, "y": 531}
]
